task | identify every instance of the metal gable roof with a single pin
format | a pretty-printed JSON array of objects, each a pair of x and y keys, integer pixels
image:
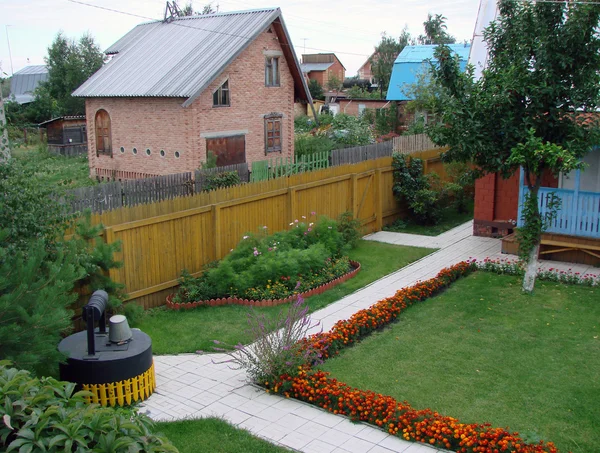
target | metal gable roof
[
  {"x": 308, "y": 67},
  {"x": 24, "y": 82},
  {"x": 176, "y": 59},
  {"x": 412, "y": 61}
]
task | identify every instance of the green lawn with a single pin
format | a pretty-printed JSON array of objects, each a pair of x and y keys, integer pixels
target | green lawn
[
  {"x": 175, "y": 332},
  {"x": 215, "y": 436},
  {"x": 57, "y": 171},
  {"x": 450, "y": 219},
  {"x": 485, "y": 352}
]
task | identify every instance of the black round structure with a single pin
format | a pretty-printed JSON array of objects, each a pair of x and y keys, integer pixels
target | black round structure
[{"x": 116, "y": 374}]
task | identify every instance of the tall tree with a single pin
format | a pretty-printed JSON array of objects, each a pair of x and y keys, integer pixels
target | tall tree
[
  {"x": 70, "y": 63},
  {"x": 528, "y": 109},
  {"x": 435, "y": 31},
  {"x": 188, "y": 10},
  {"x": 382, "y": 61}
]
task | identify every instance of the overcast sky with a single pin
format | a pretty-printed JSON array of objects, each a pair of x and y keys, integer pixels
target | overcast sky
[{"x": 350, "y": 28}]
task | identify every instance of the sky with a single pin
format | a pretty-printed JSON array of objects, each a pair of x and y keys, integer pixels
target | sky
[{"x": 350, "y": 28}]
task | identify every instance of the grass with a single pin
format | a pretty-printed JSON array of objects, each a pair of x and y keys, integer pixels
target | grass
[
  {"x": 56, "y": 171},
  {"x": 215, "y": 436},
  {"x": 450, "y": 219},
  {"x": 174, "y": 332},
  {"x": 485, "y": 352}
]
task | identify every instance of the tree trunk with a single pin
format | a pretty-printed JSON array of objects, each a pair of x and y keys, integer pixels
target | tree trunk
[
  {"x": 531, "y": 269},
  {"x": 532, "y": 222},
  {"x": 4, "y": 145}
]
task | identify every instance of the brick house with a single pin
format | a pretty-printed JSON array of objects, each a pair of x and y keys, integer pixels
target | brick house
[
  {"x": 322, "y": 67},
  {"x": 173, "y": 91},
  {"x": 365, "y": 72}
]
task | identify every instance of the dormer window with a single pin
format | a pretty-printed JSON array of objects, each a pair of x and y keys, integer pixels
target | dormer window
[
  {"x": 221, "y": 96},
  {"x": 272, "y": 71}
]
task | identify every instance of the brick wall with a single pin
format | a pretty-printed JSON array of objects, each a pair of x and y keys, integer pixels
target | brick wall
[
  {"x": 497, "y": 203},
  {"x": 350, "y": 106},
  {"x": 163, "y": 124}
]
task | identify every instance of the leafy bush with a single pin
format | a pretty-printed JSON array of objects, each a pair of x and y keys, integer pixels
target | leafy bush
[
  {"x": 285, "y": 260},
  {"x": 215, "y": 181},
  {"x": 350, "y": 228},
  {"x": 349, "y": 130},
  {"x": 423, "y": 194},
  {"x": 28, "y": 210},
  {"x": 307, "y": 144},
  {"x": 276, "y": 348},
  {"x": 45, "y": 415}
]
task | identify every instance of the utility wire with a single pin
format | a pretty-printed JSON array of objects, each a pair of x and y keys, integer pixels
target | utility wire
[{"x": 180, "y": 24}]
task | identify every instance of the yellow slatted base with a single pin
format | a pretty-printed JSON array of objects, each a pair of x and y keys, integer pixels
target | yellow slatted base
[{"x": 125, "y": 392}]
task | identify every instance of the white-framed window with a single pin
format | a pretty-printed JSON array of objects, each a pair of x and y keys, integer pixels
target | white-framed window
[{"x": 221, "y": 95}]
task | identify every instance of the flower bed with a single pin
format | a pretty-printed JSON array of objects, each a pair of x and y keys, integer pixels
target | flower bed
[
  {"x": 264, "y": 302},
  {"x": 426, "y": 425}
]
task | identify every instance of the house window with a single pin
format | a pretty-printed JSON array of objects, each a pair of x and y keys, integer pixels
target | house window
[
  {"x": 272, "y": 71},
  {"x": 221, "y": 96},
  {"x": 229, "y": 150},
  {"x": 103, "y": 135},
  {"x": 273, "y": 133}
]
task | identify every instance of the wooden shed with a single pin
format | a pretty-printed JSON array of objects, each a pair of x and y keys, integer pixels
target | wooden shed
[{"x": 67, "y": 135}]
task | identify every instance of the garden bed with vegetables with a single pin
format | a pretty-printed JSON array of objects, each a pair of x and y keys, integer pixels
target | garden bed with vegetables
[{"x": 271, "y": 269}]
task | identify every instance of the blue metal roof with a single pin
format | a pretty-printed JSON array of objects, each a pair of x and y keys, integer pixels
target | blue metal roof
[{"x": 412, "y": 61}]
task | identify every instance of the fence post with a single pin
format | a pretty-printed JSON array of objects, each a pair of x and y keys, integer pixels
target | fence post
[
  {"x": 216, "y": 217},
  {"x": 378, "y": 193},
  {"x": 355, "y": 196}
]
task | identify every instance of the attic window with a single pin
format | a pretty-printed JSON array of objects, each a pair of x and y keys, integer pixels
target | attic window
[
  {"x": 221, "y": 96},
  {"x": 270, "y": 30},
  {"x": 272, "y": 71}
]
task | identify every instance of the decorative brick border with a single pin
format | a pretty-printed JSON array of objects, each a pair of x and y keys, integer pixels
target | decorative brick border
[{"x": 266, "y": 302}]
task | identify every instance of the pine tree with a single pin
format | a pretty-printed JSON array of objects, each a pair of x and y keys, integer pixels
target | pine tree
[{"x": 36, "y": 290}]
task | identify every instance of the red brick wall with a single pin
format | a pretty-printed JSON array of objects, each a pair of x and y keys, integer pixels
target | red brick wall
[
  {"x": 318, "y": 76},
  {"x": 163, "y": 124},
  {"x": 335, "y": 69},
  {"x": 497, "y": 203},
  {"x": 350, "y": 106}
]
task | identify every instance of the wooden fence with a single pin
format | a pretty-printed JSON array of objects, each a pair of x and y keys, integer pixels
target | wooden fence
[
  {"x": 408, "y": 144},
  {"x": 361, "y": 153},
  {"x": 113, "y": 195},
  {"x": 161, "y": 239}
]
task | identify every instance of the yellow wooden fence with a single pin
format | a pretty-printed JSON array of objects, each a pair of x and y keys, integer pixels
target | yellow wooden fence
[{"x": 161, "y": 239}]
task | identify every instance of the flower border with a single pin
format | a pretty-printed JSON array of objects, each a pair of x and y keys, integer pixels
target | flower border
[
  {"x": 265, "y": 302},
  {"x": 400, "y": 419}
]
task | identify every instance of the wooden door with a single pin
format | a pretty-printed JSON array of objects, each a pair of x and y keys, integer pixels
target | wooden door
[
  {"x": 229, "y": 150},
  {"x": 103, "y": 141}
]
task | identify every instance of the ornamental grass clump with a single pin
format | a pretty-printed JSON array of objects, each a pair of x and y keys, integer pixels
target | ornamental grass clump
[{"x": 276, "y": 349}]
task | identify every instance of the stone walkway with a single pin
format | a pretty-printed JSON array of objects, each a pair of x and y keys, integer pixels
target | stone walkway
[{"x": 191, "y": 385}]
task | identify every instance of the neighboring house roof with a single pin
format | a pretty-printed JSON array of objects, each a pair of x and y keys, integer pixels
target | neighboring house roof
[
  {"x": 310, "y": 67},
  {"x": 24, "y": 82},
  {"x": 183, "y": 57},
  {"x": 413, "y": 60},
  {"x": 65, "y": 118}
]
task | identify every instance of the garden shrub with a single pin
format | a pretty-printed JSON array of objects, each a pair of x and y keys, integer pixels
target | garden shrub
[
  {"x": 350, "y": 228},
  {"x": 306, "y": 144},
  {"x": 45, "y": 415},
  {"x": 276, "y": 265},
  {"x": 215, "y": 181},
  {"x": 422, "y": 193}
]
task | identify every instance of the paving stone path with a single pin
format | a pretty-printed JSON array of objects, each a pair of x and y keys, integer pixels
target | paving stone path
[{"x": 192, "y": 385}]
